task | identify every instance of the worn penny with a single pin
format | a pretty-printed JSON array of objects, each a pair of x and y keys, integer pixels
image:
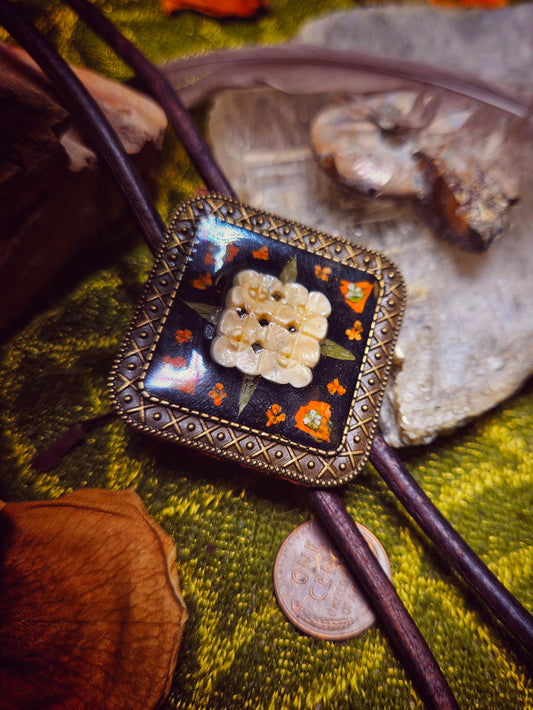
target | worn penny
[{"x": 314, "y": 588}]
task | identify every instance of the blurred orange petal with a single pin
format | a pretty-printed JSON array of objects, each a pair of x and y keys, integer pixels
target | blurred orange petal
[
  {"x": 91, "y": 614},
  {"x": 216, "y": 8}
]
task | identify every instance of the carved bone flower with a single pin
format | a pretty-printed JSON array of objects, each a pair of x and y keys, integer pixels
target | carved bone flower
[{"x": 271, "y": 329}]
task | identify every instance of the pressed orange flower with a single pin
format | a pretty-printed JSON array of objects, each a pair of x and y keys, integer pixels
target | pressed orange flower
[
  {"x": 354, "y": 333},
  {"x": 218, "y": 393},
  {"x": 188, "y": 387},
  {"x": 183, "y": 336},
  {"x": 275, "y": 415},
  {"x": 202, "y": 282},
  {"x": 323, "y": 272},
  {"x": 175, "y": 361},
  {"x": 261, "y": 253},
  {"x": 314, "y": 418},
  {"x": 335, "y": 387},
  {"x": 231, "y": 252},
  {"x": 356, "y": 294},
  {"x": 183, "y": 376}
]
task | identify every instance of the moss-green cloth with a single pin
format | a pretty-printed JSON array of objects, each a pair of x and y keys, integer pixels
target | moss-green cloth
[{"x": 239, "y": 651}]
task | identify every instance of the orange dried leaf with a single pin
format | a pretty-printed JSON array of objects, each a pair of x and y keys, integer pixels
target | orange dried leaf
[
  {"x": 91, "y": 614},
  {"x": 216, "y": 8}
]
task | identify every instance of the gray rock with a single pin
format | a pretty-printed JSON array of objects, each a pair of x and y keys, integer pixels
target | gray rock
[
  {"x": 492, "y": 45},
  {"x": 466, "y": 342}
]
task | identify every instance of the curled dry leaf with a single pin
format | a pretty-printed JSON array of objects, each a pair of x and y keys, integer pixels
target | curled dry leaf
[
  {"x": 216, "y": 8},
  {"x": 91, "y": 614}
]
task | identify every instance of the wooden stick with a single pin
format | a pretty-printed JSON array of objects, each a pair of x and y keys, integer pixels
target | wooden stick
[
  {"x": 412, "y": 648},
  {"x": 475, "y": 572},
  {"x": 250, "y": 64}
]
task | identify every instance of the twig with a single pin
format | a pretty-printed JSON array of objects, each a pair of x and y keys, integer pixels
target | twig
[
  {"x": 434, "y": 691},
  {"x": 198, "y": 75}
]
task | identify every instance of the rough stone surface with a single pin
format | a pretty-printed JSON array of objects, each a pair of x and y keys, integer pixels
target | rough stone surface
[
  {"x": 467, "y": 338},
  {"x": 492, "y": 45}
]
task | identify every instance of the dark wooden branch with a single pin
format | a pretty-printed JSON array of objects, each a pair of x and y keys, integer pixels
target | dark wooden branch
[
  {"x": 157, "y": 85},
  {"x": 200, "y": 75},
  {"x": 90, "y": 118},
  {"x": 504, "y": 605},
  {"x": 410, "y": 645}
]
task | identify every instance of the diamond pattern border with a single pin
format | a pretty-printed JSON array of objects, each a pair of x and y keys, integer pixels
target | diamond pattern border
[{"x": 232, "y": 441}]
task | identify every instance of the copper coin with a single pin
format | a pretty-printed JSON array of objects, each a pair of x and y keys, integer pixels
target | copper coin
[{"x": 315, "y": 590}]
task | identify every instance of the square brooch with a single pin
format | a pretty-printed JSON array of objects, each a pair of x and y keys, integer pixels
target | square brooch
[{"x": 261, "y": 341}]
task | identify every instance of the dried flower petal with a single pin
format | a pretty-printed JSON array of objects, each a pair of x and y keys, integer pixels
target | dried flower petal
[{"x": 91, "y": 614}]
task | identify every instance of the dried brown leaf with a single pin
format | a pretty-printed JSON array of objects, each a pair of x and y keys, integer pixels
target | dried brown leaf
[{"x": 91, "y": 614}]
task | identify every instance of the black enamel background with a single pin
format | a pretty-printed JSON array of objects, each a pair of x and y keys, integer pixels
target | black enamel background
[{"x": 208, "y": 266}]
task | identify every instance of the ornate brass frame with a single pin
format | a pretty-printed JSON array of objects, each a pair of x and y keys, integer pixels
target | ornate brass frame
[{"x": 192, "y": 422}]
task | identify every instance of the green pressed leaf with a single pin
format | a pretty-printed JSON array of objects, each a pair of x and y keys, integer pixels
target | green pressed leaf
[
  {"x": 221, "y": 275},
  {"x": 205, "y": 310},
  {"x": 247, "y": 389},
  {"x": 290, "y": 272},
  {"x": 331, "y": 349}
]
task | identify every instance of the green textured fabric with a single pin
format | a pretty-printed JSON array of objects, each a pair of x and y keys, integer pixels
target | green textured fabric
[{"x": 238, "y": 650}]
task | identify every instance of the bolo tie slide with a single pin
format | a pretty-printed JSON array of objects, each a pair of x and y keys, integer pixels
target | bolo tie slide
[{"x": 239, "y": 286}]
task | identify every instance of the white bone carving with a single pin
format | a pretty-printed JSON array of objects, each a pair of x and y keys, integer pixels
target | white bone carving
[{"x": 271, "y": 329}]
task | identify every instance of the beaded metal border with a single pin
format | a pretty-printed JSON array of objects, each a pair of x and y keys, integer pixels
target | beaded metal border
[{"x": 231, "y": 440}]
